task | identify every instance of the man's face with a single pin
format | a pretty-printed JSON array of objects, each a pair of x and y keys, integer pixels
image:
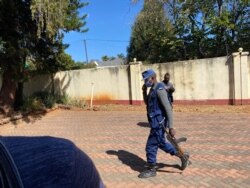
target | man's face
[
  {"x": 149, "y": 81},
  {"x": 167, "y": 78}
]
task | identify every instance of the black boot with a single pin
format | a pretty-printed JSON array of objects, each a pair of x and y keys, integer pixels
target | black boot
[
  {"x": 150, "y": 172},
  {"x": 184, "y": 160}
]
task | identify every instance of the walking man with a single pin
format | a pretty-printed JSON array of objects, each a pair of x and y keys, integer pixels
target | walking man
[
  {"x": 169, "y": 88},
  {"x": 159, "y": 110}
]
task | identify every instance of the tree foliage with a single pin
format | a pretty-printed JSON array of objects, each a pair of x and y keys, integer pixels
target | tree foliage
[
  {"x": 107, "y": 58},
  {"x": 54, "y": 16},
  {"x": 121, "y": 56},
  {"x": 31, "y": 32},
  {"x": 197, "y": 29},
  {"x": 1, "y": 46},
  {"x": 151, "y": 34}
]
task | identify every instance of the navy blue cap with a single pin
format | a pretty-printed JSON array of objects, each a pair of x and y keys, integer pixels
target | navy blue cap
[
  {"x": 146, "y": 74},
  {"x": 48, "y": 162}
]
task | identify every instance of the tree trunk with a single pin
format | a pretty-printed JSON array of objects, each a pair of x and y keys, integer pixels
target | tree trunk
[
  {"x": 7, "y": 93},
  {"x": 19, "y": 96},
  {"x": 52, "y": 83}
]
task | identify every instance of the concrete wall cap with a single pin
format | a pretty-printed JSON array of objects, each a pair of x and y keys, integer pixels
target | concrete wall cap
[
  {"x": 135, "y": 63},
  {"x": 238, "y": 53}
]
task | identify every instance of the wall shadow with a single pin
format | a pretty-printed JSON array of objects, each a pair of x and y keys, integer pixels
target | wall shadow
[
  {"x": 29, "y": 118},
  {"x": 138, "y": 164},
  {"x": 60, "y": 84},
  {"x": 129, "y": 84},
  {"x": 17, "y": 118},
  {"x": 231, "y": 83}
]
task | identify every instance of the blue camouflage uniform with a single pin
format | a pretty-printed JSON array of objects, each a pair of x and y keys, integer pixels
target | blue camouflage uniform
[
  {"x": 160, "y": 114},
  {"x": 157, "y": 116}
]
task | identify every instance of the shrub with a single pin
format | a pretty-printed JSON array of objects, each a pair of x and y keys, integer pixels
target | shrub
[
  {"x": 63, "y": 99},
  {"x": 47, "y": 98},
  {"x": 80, "y": 103},
  {"x": 33, "y": 104},
  {"x": 42, "y": 99}
]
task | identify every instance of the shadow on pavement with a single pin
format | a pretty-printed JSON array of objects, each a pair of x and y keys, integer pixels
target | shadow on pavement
[
  {"x": 133, "y": 161},
  {"x": 138, "y": 164},
  {"x": 162, "y": 165},
  {"x": 143, "y": 124}
]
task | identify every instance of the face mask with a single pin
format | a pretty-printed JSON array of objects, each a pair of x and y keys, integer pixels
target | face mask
[{"x": 148, "y": 84}]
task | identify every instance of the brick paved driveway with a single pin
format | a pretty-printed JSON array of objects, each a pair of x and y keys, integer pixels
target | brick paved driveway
[{"x": 218, "y": 143}]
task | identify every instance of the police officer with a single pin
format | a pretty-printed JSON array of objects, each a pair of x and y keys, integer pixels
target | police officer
[{"x": 159, "y": 110}]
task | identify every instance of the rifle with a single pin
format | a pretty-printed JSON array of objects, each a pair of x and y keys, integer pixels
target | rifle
[{"x": 175, "y": 142}]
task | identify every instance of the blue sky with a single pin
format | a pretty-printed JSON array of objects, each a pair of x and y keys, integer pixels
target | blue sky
[{"x": 109, "y": 23}]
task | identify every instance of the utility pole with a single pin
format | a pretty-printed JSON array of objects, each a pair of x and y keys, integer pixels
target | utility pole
[{"x": 86, "y": 53}]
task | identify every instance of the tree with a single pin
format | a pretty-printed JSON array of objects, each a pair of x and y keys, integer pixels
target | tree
[
  {"x": 51, "y": 22},
  {"x": 205, "y": 28},
  {"x": 151, "y": 34},
  {"x": 26, "y": 26},
  {"x": 210, "y": 28},
  {"x": 46, "y": 57},
  {"x": 19, "y": 42},
  {"x": 105, "y": 58},
  {"x": 54, "y": 16},
  {"x": 1, "y": 46},
  {"x": 231, "y": 25},
  {"x": 121, "y": 56},
  {"x": 66, "y": 61}
]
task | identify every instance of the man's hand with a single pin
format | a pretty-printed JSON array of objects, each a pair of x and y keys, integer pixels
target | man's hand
[
  {"x": 172, "y": 132},
  {"x": 171, "y": 90},
  {"x": 144, "y": 88}
]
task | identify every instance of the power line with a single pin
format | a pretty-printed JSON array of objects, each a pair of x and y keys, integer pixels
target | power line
[
  {"x": 107, "y": 40},
  {"x": 102, "y": 40},
  {"x": 91, "y": 39},
  {"x": 86, "y": 53}
]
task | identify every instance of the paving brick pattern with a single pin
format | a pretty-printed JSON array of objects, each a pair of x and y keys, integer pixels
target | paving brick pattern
[{"x": 218, "y": 143}]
